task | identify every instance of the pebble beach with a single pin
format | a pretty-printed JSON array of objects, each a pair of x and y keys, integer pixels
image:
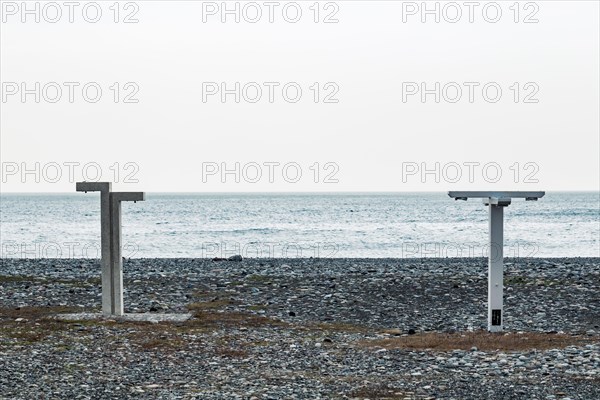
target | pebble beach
[{"x": 302, "y": 329}]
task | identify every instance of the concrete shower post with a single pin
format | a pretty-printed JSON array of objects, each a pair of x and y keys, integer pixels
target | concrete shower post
[
  {"x": 105, "y": 242},
  {"x": 110, "y": 226},
  {"x": 116, "y": 260}
]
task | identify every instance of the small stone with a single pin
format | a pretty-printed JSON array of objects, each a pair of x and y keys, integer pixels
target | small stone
[
  {"x": 152, "y": 386},
  {"x": 292, "y": 314},
  {"x": 411, "y": 331},
  {"x": 474, "y": 348},
  {"x": 395, "y": 332},
  {"x": 236, "y": 257}
]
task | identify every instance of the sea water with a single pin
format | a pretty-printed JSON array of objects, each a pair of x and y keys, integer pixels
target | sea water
[{"x": 405, "y": 225}]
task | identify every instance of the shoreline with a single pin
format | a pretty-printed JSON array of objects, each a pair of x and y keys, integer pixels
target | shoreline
[{"x": 427, "y": 294}]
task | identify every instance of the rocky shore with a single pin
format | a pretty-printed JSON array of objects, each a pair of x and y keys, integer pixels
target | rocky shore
[{"x": 302, "y": 329}]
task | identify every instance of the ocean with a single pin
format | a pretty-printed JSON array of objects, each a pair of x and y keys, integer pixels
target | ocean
[{"x": 364, "y": 225}]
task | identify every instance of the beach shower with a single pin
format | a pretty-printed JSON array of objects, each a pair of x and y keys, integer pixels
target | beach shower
[
  {"x": 496, "y": 201},
  {"x": 110, "y": 227}
]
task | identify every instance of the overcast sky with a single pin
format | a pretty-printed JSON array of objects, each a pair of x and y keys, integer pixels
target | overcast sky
[{"x": 370, "y": 128}]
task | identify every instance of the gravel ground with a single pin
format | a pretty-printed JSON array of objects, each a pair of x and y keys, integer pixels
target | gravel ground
[{"x": 303, "y": 328}]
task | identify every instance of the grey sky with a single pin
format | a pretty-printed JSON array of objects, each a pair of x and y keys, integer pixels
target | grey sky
[{"x": 369, "y": 59}]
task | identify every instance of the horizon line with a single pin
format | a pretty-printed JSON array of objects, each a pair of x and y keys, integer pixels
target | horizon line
[{"x": 295, "y": 192}]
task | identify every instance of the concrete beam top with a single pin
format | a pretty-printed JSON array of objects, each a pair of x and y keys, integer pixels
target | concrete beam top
[
  {"x": 93, "y": 186},
  {"x": 128, "y": 196},
  {"x": 464, "y": 195}
]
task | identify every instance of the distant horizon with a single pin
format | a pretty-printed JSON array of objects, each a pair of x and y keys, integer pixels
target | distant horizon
[{"x": 307, "y": 192}]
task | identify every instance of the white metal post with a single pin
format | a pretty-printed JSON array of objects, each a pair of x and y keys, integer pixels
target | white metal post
[
  {"x": 495, "y": 267},
  {"x": 496, "y": 201}
]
